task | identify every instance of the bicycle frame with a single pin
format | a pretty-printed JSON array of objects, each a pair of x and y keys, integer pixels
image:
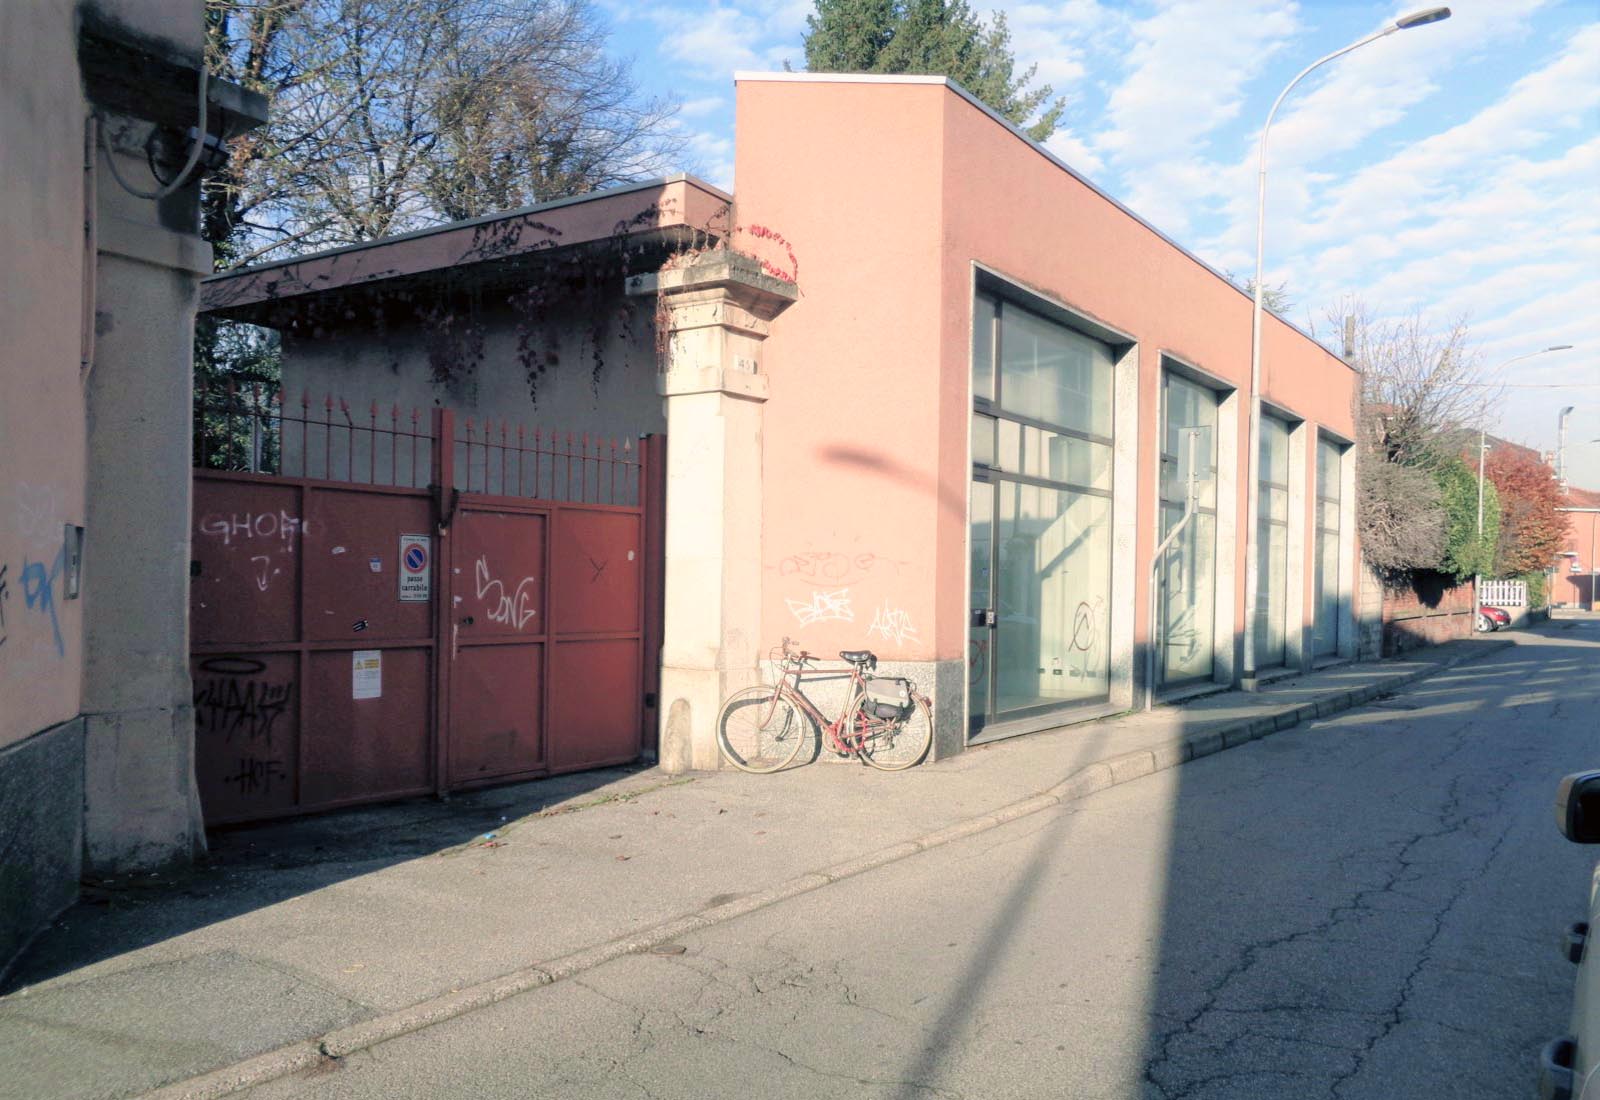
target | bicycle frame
[{"x": 788, "y": 687}]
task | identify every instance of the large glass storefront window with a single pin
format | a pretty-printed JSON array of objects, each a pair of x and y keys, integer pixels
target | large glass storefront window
[
  {"x": 1188, "y": 570},
  {"x": 1325, "y": 632},
  {"x": 1272, "y": 545},
  {"x": 1039, "y": 638}
]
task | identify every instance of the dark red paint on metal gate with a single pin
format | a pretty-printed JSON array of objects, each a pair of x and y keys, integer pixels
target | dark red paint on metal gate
[{"x": 534, "y": 651}]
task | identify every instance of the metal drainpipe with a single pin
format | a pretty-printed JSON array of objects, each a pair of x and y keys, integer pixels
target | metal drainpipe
[{"x": 1190, "y": 497}]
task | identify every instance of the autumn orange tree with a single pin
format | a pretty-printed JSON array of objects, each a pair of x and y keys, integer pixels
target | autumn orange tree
[{"x": 1531, "y": 529}]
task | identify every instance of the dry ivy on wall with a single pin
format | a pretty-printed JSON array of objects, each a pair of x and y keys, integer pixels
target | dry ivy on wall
[{"x": 451, "y": 311}]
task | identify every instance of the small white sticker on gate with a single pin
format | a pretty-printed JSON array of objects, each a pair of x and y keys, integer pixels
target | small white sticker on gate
[{"x": 366, "y": 674}]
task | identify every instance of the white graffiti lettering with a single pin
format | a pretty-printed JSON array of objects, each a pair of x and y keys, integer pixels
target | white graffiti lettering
[
  {"x": 823, "y": 607},
  {"x": 258, "y": 525},
  {"x": 512, "y": 610},
  {"x": 892, "y": 624}
]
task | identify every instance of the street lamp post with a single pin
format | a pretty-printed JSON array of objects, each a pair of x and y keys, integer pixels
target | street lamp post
[
  {"x": 1561, "y": 447},
  {"x": 1477, "y": 577},
  {"x": 1252, "y": 489}
]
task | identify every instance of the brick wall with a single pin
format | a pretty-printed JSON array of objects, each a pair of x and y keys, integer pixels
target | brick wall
[{"x": 1429, "y": 610}]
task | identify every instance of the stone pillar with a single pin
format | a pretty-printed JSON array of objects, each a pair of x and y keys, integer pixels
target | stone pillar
[
  {"x": 141, "y": 806},
  {"x": 712, "y": 317}
]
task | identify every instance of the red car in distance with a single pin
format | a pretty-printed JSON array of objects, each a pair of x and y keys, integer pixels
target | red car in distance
[{"x": 1492, "y": 619}]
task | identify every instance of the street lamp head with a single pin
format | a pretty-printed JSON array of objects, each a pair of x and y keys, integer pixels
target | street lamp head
[
  {"x": 1559, "y": 347},
  {"x": 1421, "y": 18}
]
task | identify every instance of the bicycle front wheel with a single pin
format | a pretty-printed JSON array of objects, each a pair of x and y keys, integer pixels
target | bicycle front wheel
[
  {"x": 891, "y": 744},
  {"x": 758, "y": 730}
]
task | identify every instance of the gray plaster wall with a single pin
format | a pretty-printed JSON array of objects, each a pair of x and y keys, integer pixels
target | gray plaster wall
[
  {"x": 41, "y": 832},
  {"x": 141, "y": 805},
  {"x": 395, "y": 366}
]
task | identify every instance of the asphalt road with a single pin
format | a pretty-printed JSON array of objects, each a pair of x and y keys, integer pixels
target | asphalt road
[{"x": 1364, "y": 907}]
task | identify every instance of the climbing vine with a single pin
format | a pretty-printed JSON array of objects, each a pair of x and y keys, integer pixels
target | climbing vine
[{"x": 535, "y": 285}]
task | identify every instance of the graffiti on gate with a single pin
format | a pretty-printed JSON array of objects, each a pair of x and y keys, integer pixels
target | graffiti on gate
[
  {"x": 256, "y": 775},
  {"x": 253, "y": 527},
  {"x": 513, "y": 609},
  {"x": 232, "y": 696}
]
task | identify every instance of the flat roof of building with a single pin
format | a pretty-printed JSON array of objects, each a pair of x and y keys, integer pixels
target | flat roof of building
[
  {"x": 955, "y": 86},
  {"x": 677, "y": 202}
]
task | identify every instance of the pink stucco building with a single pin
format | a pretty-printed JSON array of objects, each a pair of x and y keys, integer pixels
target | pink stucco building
[
  {"x": 984, "y": 386},
  {"x": 949, "y": 414}
]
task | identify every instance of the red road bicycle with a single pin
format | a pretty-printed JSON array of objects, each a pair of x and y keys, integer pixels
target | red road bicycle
[{"x": 886, "y": 722}]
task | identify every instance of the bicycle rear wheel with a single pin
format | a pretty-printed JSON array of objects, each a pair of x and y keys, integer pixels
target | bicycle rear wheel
[
  {"x": 757, "y": 732},
  {"x": 892, "y": 744}
]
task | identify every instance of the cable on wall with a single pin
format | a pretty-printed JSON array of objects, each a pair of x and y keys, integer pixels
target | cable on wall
[{"x": 194, "y": 154}]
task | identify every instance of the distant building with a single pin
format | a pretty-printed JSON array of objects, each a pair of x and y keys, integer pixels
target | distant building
[{"x": 1578, "y": 567}]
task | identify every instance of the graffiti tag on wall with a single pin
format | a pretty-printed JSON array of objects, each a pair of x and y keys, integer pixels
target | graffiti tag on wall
[
  {"x": 892, "y": 624},
  {"x": 823, "y": 607},
  {"x": 833, "y": 569}
]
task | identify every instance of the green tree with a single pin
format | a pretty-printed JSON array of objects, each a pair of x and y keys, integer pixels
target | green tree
[
  {"x": 1467, "y": 553},
  {"x": 938, "y": 37}
]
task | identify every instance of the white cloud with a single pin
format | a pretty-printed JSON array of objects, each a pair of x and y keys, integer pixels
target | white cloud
[
  {"x": 1561, "y": 96},
  {"x": 1076, "y": 152},
  {"x": 704, "y": 105},
  {"x": 716, "y": 42},
  {"x": 1188, "y": 67}
]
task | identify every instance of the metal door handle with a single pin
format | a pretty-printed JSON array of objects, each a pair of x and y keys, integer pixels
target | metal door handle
[{"x": 455, "y": 640}]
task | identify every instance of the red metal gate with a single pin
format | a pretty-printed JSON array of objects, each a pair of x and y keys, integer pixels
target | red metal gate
[{"x": 359, "y": 633}]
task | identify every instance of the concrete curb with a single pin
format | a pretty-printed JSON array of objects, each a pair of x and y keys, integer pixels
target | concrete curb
[{"x": 1086, "y": 781}]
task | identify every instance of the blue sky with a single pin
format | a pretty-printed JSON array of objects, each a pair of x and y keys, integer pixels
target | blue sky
[{"x": 1453, "y": 169}]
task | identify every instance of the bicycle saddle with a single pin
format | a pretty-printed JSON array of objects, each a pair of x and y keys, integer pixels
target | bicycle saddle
[{"x": 858, "y": 656}]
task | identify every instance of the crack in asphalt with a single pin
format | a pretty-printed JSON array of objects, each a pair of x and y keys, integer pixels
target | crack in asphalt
[{"x": 1452, "y": 818}]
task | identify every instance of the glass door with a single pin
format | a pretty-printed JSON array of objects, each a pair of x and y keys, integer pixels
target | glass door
[
  {"x": 1038, "y": 636},
  {"x": 981, "y": 624},
  {"x": 1272, "y": 545},
  {"x": 1325, "y": 628},
  {"x": 1188, "y": 572}
]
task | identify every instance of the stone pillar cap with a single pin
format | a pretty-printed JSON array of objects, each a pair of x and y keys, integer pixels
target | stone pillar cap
[{"x": 721, "y": 269}]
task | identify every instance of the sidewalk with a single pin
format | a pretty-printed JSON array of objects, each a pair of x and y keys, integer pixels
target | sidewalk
[{"x": 317, "y": 938}]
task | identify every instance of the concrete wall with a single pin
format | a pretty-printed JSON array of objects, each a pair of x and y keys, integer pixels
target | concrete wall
[
  {"x": 95, "y": 726},
  {"x": 904, "y": 187},
  {"x": 392, "y": 368}
]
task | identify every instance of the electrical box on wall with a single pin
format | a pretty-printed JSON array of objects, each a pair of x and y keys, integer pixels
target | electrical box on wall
[{"x": 71, "y": 561}]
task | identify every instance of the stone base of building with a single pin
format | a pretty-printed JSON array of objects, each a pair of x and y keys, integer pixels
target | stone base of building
[{"x": 41, "y": 832}]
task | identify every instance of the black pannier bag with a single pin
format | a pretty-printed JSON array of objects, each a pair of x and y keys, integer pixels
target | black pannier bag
[{"x": 887, "y": 697}]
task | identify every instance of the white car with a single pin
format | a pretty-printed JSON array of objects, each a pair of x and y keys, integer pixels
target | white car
[{"x": 1569, "y": 1067}]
